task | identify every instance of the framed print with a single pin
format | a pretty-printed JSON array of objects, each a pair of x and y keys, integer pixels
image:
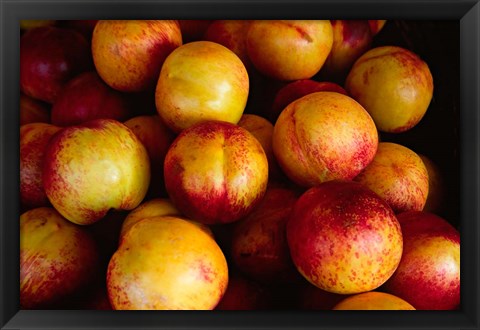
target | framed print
[{"x": 239, "y": 164}]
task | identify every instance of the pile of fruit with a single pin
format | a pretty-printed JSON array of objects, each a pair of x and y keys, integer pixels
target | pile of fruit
[{"x": 229, "y": 165}]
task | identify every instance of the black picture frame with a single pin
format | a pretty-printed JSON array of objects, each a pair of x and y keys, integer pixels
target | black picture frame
[{"x": 466, "y": 11}]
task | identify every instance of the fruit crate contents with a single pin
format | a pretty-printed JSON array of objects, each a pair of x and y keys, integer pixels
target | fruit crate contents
[{"x": 239, "y": 165}]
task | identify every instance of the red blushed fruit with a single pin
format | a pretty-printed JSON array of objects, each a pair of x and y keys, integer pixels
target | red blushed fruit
[
  {"x": 56, "y": 258},
  {"x": 244, "y": 294},
  {"x": 33, "y": 111},
  {"x": 87, "y": 97},
  {"x": 216, "y": 172},
  {"x": 259, "y": 243},
  {"x": 49, "y": 58},
  {"x": 34, "y": 138},
  {"x": 351, "y": 38},
  {"x": 344, "y": 238},
  {"x": 298, "y": 89},
  {"x": 428, "y": 276}
]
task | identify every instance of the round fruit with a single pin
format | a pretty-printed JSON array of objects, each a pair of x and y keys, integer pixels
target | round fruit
[
  {"x": 166, "y": 263},
  {"x": 343, "y": 238},
  {"x": 373, "y": 301},
  {"x": 394, "y": 85}
]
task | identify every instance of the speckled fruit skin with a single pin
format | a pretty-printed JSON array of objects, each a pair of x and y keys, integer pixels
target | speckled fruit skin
[
  {"x": 399, "y": 176},
  {"x": 289, "y": 49},
  {"x": 56, "y": 257},
  {"x": 437, "y": 190},
  {"x": 262, "y": 130},
  {"x": 34, "y": 138},
  {"x": 49, "y": 58},
  {"x": 86, "y": 97},
  {"x": 343, "y": 238},
  {"x": 216, "y": 172},
  {"x": 166, "y": 263},
  {"x": 351, "y": 38},
  {"x": 201, "y": 81},
  {"x": 428, "y": 276},
  {"x": 259, "y": 242},
  {"x": 33, "y": 111},
  {"x": 394, "y": 85},
  {"x": 295, "y": 90},
  {"x": 157, "y": 138},
  {"x": 129, "y": 54},
  {"x": 93, "y": 167},
  {"x": 373, "y": 301},
  {"x": 324, "y": 136},
  {"x": 231, "y": 34}
]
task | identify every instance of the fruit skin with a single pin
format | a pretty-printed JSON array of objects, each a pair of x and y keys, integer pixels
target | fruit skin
[
  {"x": 343, "y": 238},
  {"x": 181, "y": 267},
  {"x": 259, "y": 242},
  {"x": 231, "y": 34},
  {"x": 34, "y": 139},
  {"x": 157, "y": 138},
  {"x": 49, "y": 58},
  {"x": 376, "y": 25},
  {"x": 86, "y": 97},
  {"x": 289, "y": 49},
  {"x": 216, "y": 172},
  {"x": 201, "y": 81},
  {"x": 324, "y": 136},
  {"x": 127, "y": 68},
  {"x": 428, "y": 276},
  {"x": 56, "y": 258},
  {"x": 33, "y": 111},
  {"x": 351, "y": 38},
  {"x": 398, "y": 175},
  {"x": 152, "y": 208},
  {"x": 295, "y": 90},
  {"x": 262, "y": 130},
  {"x": 93, "y": 167},
  {"x": 437, "y": 189},
  {"x": 394, "y": 85},
  {"x": 373, "y": 301}
]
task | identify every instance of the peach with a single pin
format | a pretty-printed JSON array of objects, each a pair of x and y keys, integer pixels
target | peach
[
  {"x": 289, "y": 49},
  {"x": 344, "y": 238},
  {"x": 154, "y": 208},
  {"x": 49, "y": 58},
  {"x": 56, "y": 258},
  {"x": 94, "y": 167},
  {"x": 86, "y": 97},
  {"x": 398, "y": 175},
  {"x": 231, "y": 34},
  {"x": 34, "y": 139},
  {"x": 351, "y": 38},
  {"x": 201, "y": 81},
  {"x": 295, "y": 90},
  {"x": 166, "y": 263},
  {"x": 259, "y": 243},
  {"x": 394, "y": 85},
  {"x": 437, "y": 189},
  {"x": 128, "y": 55},
  {"x": 262, "y": 130},
  {"x": 428, "y": 276},
  {"x": 216, "y": 172},
  {"x": 33, "y": 111},
  {"x": 157, "y": 138},
  {"x": 373, "y": 301},
  {"x": 324, "y": 136}
]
